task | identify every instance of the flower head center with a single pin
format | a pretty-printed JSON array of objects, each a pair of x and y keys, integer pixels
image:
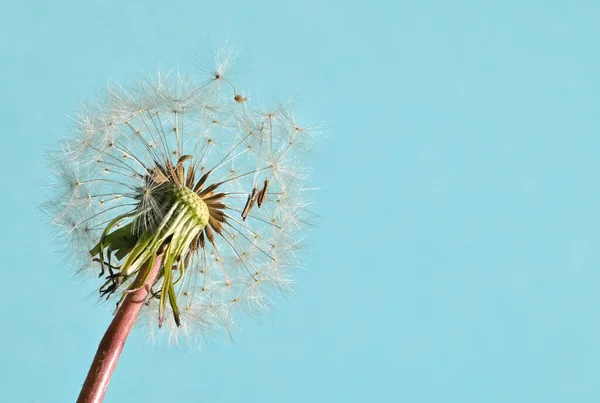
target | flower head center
[{"x": 193, "y": 203}]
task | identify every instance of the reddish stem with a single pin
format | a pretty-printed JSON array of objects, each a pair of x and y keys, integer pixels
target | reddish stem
[{"x": 112, "y": 343}]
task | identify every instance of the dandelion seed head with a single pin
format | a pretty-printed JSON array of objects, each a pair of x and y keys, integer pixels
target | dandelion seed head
[{"x": 192, "y": 172}]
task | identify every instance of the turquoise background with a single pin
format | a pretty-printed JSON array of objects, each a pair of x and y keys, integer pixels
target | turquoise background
[{"x": 456, "y": 256}]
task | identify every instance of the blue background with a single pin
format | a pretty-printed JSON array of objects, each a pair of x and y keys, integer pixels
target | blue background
[{"x": 456, "y": 259}]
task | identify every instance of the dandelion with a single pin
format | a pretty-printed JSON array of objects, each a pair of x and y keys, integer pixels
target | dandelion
[{"x": 185, "y": 200}]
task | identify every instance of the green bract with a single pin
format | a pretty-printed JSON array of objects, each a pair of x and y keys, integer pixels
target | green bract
[{"x": 185, "y": 219}]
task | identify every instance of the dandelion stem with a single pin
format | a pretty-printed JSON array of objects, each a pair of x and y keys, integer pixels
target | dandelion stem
[{"x": 112, "y": 343}]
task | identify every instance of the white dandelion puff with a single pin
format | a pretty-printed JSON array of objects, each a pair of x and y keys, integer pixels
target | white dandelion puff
[{"x": 190, "y": 176}]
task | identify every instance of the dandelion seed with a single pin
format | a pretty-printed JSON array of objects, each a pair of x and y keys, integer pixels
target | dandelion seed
[{"x": 157, "y": 191}]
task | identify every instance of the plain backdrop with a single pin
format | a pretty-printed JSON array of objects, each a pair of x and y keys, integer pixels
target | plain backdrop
[{"x": 456, "y": 255}]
